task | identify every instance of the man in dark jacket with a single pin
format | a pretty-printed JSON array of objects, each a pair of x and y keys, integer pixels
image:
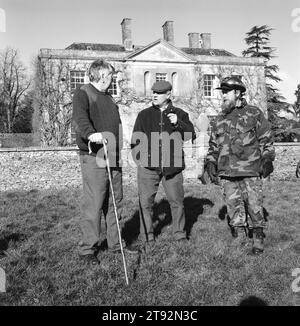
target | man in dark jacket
[
  {"x": 240, "y": 153},
  {"x": 96, "y": 117},
  {"x": 157, "y": 142}
]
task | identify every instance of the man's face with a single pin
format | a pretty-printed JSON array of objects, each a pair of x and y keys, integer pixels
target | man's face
[
  {"x": 106, "y": 76},
  {"x": 160, "y": 99},
  {"x": 229, "y": 97}
]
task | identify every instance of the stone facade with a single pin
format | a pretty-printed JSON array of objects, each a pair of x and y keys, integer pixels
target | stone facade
[{"x": 137, "y": 67}]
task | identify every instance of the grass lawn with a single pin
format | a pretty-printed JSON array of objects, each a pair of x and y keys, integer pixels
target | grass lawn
[{"x": 39, "y": 236}]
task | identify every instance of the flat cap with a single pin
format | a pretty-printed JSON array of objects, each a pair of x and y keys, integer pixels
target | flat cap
[{"x": 161, "y": 86}]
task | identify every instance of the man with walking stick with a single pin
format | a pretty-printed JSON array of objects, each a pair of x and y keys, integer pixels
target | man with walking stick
[{"x": 96, "y": 120}]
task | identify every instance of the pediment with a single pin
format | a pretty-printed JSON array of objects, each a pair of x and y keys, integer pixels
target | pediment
[{"x": 160, "y": 51}]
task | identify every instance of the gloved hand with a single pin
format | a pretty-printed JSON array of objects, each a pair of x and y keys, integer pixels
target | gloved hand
[
  {"x": 266, "y": 167},
  {"x": 211, "y": 169}
]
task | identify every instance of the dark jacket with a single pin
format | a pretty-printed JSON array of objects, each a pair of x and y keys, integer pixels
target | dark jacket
[
  {"x": 239, "y": 140},
  {"x": 95, "y": 111},
  {"x": 156, "y": 143}
]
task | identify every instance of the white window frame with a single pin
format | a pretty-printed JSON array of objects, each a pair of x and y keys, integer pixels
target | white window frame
[
  {"x": 174, "y": 77},
  {"x": 113, "y": 88},
  {"x": 208, "y": 85},
  {"x": 147, "y": 77},
  {"x": 77, "y": 77},
  {"x": 160, "y": 76}
]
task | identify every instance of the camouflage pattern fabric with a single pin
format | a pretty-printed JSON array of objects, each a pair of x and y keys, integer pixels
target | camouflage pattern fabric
[
  {"x": 239, "y": 140},
  {"x": 244, "y": 198}
]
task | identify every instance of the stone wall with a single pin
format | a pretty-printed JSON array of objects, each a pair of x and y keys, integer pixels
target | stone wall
[
  {"x": 287, "y": 157},
  {"x": 59, "y": 168}
]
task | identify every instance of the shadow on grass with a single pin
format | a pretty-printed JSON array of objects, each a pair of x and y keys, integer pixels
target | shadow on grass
[
  {"x": 6, "y": 240},
  {"x": 162, "y": 217},
  {"x": 253, "y": 301}
]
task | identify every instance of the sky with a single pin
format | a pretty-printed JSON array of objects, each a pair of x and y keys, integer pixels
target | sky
[{"x": 29, "y": 25}]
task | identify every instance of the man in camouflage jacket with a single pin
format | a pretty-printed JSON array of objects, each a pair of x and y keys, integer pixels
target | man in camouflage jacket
[{"x": 240, "y": 154}]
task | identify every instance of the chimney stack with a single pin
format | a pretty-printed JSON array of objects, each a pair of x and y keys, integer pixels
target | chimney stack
[
  {"x": 168, "y": 32},
  {"x": 126, "y": 34},
  {"x": 206, "y": 40},
  {"x": 194, "y": 40}
]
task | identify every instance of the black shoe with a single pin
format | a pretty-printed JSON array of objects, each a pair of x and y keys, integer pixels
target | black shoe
[{"x": 90, "y": 259}]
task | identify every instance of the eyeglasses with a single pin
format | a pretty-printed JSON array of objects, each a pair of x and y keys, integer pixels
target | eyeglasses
[{"x": 225, "y": 91}]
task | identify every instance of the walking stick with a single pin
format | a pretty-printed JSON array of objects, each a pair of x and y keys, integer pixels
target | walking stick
[{"x": 114, "y": 203}]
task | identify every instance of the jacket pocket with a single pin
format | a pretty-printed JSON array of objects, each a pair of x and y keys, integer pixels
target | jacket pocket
[{"x": 247, "y": 133}]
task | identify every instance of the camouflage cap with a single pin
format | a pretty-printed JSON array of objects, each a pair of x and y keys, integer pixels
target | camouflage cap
[
  {"x": 232, "y": 82},
  {"x": 161, "y": 86}
]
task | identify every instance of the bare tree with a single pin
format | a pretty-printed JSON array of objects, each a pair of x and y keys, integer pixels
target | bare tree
[{"x": 14, "y": 83}]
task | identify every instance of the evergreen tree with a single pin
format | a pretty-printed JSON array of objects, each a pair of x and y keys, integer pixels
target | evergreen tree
[
  {"x": 258, "y": 39},
  {"x": 297, "y": 103}
]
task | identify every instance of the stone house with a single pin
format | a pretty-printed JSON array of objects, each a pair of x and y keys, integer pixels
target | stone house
[{"x": 194, "y": 71}]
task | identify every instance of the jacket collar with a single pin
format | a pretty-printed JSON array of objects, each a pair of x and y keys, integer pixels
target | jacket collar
[{"x": 170, "y": 108}]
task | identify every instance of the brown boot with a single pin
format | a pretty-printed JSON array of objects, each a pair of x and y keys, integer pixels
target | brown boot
[{"x": 258, "y": 241}]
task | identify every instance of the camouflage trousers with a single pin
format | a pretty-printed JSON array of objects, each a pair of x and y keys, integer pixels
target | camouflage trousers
[{"x": 244, "y": 198}]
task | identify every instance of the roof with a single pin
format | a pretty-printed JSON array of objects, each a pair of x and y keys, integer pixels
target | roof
[
  {"x": 180, "y": 54},
  {"x": 97, "y": 47},
  {"x": 212, "y": 52},
  {"x": 121, "y": 48}
]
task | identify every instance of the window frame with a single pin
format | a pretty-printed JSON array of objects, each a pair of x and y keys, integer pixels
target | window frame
[
  {"x": 208, "y": 90},
  {"x": 76, "y": 83},
  {"x": 113, "y": 88},
  {"x": 159, "y": 75}
]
